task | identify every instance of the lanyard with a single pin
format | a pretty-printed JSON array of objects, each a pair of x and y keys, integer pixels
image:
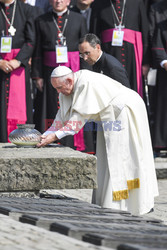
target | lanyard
[
  {"x": 11, "y": 29},
  {"x": 65, "y": 24},
  {"x": 122, "y": 15}
]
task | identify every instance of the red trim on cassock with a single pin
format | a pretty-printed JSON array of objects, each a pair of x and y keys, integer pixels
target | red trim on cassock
[{"x": 157, "y": 49}]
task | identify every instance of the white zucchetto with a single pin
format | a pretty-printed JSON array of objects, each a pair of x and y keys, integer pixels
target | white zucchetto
[{"x": 61, "y": 71}]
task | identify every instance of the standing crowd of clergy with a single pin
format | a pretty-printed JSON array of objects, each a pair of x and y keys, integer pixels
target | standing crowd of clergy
[{"x": 37, "y": 36}]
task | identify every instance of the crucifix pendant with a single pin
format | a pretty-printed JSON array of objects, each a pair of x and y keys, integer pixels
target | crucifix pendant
[
  {"x": 60, "y": 35},
  {"x": 12, "y": 30},
  {"x": 119, "y": 27}
]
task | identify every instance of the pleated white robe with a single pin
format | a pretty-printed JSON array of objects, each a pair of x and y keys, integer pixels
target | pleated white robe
[{"x": 125, "y": 164}]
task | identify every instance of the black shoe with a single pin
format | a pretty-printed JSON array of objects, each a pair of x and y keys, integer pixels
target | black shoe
[{"x": 151, "y": 210}]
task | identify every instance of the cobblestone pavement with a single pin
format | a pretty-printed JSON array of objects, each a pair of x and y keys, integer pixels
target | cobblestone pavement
[
  {"x": 160, "y": 208},
  {"x": 15, "y": 235}
]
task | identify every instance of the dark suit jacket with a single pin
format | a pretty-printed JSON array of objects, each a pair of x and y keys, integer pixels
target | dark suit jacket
[
  {"x": 157, "y": 18},
  {"x": 47, "y": 34},
  {"x": 157, "y": 14},
  {"x": 110, "y": 66}
]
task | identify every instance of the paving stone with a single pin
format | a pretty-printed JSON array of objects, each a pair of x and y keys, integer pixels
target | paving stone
[
  {"x": 84, "y": 221},
  {"x": 116, "y": 239},
  {"x": 161, "y": 167},
  {"x": 160, "y": 207},
  {"x": 18, "y": 236},
  {"x": 97, "y": 228},
  {"x": 136, "y": 247}
]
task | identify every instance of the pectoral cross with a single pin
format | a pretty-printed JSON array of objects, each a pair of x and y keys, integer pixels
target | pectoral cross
[
  {"x": 12, "y": 30},
  {"x": 119, "y": 27}
]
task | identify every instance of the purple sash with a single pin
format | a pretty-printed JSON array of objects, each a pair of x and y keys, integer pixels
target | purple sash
[
  {"x": 134, "y": 37},
  {"x": 73, "y": 60},
  {"x": 74, "y": 64},
  {"x": 16, "y": 112}
]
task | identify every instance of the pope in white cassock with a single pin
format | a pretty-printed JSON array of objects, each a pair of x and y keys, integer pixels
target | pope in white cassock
[{"x": 125, "y": 164}]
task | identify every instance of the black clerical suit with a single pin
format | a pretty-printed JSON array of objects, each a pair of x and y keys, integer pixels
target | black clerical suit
[
  {"x": 136, "y": 24},
  {"x": 110, "y": 66},
  {"x": 47, "y": 102},
  {"x": 159, "y": 52},
  {"x": 44, "y": 5},
  {"x": 86, "y": 14},
  {"x": 157, "y": 14}
]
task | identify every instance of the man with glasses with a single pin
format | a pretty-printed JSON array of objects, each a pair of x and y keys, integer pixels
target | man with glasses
[{"x": 90, "y": 51}]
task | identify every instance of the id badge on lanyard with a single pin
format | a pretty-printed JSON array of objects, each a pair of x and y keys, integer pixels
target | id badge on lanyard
[
  {"x": 117, "y": 37},
  {"x": 6, "y": 44},
  {"x": 61, "y": 54}
]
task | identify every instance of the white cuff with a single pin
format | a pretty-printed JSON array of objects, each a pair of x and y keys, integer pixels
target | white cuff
[
  {"x": 162, "y": 63},
  {"x": 61, "y": 133},
  {"x": 47, "y": 132}
]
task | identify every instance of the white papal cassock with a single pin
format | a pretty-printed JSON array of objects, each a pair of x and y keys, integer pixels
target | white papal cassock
[{"x": 126, "y": 171}]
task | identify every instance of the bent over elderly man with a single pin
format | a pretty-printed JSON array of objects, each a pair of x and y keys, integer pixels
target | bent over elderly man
[{"x": 126, "y": 172}]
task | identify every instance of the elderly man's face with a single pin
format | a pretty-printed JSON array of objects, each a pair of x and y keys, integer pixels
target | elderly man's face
[
  {"x": 88, "y": 53},
  {"x": 59, "y": 5},
  {"x": 65, "y": 87}
]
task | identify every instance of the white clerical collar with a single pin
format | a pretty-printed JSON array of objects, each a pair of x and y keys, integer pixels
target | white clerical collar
[
  {"x": 31, "y": 2},
  {"x": 7, "y": 4},
  {"x": 83, "y": 11},
  {"x": 60, "y": 13},
  {"x": 99, "y": 56}
]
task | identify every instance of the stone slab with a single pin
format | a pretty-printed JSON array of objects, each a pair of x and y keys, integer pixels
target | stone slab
[
  {"x": 149, "y": 241},
  {"x": 52, "y": 167},
  {"x": 137, "y": 247}
]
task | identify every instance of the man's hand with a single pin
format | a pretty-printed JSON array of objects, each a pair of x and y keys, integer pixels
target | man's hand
[
  {"x": 145, "y": 70},
  {"x": 14, "y": 64},
  {"x": 39, "y": 84},
  {"x": 45, "y": 140},
  {"x": 5, "y": 66},
  {"x": 165, "y": 66}
]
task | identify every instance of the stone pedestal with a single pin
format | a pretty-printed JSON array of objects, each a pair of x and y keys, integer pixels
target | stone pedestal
[{"x": 52, "y": 167}]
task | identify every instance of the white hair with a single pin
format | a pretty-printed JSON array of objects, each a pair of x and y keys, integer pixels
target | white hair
[{"x": 64, "y": 78}]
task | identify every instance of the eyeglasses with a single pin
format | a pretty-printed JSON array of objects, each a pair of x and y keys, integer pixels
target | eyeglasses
[{"x": 84, "y": 54}]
